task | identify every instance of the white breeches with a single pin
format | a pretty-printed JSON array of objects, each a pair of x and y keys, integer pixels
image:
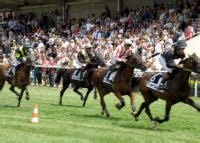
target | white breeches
[{"x": 163, "y": 63}]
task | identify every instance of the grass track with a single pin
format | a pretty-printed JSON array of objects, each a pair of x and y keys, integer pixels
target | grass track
[{"x": 72, "y": 123}]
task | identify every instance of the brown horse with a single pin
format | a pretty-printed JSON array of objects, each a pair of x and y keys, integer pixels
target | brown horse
[
  {"x": 178, "y": 90},
  {"x": 21, "y": 79},
  {"x": 121, "y": 85}
]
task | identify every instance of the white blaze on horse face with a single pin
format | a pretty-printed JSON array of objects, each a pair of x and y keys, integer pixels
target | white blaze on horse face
[{"x": 193, "y": 47}]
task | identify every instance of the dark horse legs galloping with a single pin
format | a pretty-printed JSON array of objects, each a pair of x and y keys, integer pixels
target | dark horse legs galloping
[{"x": 76, "y": 85}]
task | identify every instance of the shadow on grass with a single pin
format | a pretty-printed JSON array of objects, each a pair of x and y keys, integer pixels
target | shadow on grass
[
  {"x": 96, "y": 116},
  {"x": 10, "y": 106},
  {"x": 72, "y": 106},
  {"x": 145, "y": 128}
]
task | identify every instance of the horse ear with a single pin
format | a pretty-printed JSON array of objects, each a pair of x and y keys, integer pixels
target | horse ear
[{"x": 194, "y": 55}]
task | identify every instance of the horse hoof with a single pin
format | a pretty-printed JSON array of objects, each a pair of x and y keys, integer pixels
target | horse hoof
[
  {"x": 154, "y": 125},
  {"x": 157, "y": 119},
  {"x": 27, "y": 98},
  {"x": 107, "y": 115},
  {"x": 82, "y": 98},
  {"x": 133, "y": 114},
  {"x": 60, "y": 104},
  {"x": 102, "y": 112},
  {"x": 95, "y": 97},
  {"x": 118, "y": 106}
]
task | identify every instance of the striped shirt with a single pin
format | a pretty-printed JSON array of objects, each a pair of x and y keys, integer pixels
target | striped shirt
[{"x": 121, "y": 53}]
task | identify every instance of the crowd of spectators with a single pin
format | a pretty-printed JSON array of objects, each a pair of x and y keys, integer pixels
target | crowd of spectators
[{"x": 56, "y": 43}]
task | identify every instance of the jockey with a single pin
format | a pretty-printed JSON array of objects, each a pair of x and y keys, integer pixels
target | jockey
[
  {"x": 89, "y": 58},
  {"x": 20, "y": 54},
  {"x": 121, "y": 53},
  {"x": 168, "y": 63},
  {"x": 83, "y": 58}
]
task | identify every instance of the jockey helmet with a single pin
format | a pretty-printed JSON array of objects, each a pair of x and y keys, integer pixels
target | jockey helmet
[
  {"x": 26, "y": 45},
  {"x": 181, "y": 44}
]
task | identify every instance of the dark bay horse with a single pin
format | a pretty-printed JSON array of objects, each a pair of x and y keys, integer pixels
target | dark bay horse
[
  {"x": 121, "y": 85},
  {"x": 21, "y": 79},
  {"x": 67, "y": 78},
  {"x": 178, "y": 90}
]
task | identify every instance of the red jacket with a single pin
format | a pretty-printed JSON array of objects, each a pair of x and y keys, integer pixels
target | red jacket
[{"x": 121, "y": 53}]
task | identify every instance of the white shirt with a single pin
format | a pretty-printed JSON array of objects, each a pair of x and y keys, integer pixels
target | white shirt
[{"x": 158, "y": 48}]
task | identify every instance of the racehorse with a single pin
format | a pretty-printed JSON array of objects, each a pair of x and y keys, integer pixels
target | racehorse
[
  {"x": 178, "y": 90},
  {"x": 67, "y": 78},
  {"x": 21, "y": 79},
  {"x": 121, "y": 85}
]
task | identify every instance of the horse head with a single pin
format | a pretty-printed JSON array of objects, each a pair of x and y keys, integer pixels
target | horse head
[
  {"x": 192, "y": 63},
  {"x": 135, "y": 61}
]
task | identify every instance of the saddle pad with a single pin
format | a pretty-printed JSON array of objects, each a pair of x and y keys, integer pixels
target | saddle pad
[
  {"x": 110, "y": 78},
  {"x": 154, "y": 82},
  {"x": 76, "y": 75}
]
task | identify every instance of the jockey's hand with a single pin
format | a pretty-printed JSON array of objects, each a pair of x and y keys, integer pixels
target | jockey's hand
[
  {"x": 24, "y": 58},
  {"x": 124, "y": 60},
  {"x": 180, "y": 66}
]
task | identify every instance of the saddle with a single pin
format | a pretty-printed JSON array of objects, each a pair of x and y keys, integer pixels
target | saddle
[
  {"x": 109, "y": 77},
  {"x": 155, "y": 81},
  {"x": 78, "y": 75}
]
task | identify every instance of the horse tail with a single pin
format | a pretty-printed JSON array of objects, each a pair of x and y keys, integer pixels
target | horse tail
[
  {"x": 60, "y": 74},
  {"x": 134, "y": 82}
]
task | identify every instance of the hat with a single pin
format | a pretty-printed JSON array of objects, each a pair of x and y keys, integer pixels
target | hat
[
  {"x": 88, "y": 46},
  {"x": 181, "y": 44},
  {"x": 128, "y": 42}
]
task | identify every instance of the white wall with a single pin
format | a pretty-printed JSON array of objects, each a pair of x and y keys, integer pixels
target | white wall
[
  {"x": 40, "y": 10},
  {"x": 139, "y": 3},
  {"x": 85, "y": 10}
]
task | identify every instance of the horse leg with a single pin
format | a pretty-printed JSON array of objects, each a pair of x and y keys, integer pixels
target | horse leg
[
  {"x": 121, "y": 99},
  {"x": 86, "y": 96},
  {"x": 1, "y": 84},
  {"x": 12, "y": 88},
  {"x": 132, "y": 99},
  {"x": 78, "y": 92},
  {"x": 136, "y": 115},
  {"x": 95, "y": 93},
  {"x": 65, "y": 86},
  {"x": 103, "y": 105},
  {"x": 167, "y": 112},
  {"x": 149, "y": 98},
  {"x": 27, "y": 94},
  {"x": 190, "y": 102},
  {"x": 20, "y": 97}
]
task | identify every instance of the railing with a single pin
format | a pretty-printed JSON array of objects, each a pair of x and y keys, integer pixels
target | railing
[{"x": 195, "y": 85}]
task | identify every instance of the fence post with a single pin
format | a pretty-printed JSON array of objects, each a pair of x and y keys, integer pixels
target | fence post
[{"x": 196, "y": 87}]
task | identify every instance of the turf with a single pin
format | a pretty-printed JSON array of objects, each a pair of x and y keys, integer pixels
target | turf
[{"x": 72, "y": 123}]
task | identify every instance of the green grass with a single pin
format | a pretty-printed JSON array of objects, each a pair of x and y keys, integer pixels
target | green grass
[{"x": 72, "y": 123}]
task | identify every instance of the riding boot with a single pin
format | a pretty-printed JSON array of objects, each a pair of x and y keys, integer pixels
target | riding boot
[
  {"x": 162, "y": 85},
  {"x": 81, "y": 72},
  {"x": 113, "y": 68}
]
